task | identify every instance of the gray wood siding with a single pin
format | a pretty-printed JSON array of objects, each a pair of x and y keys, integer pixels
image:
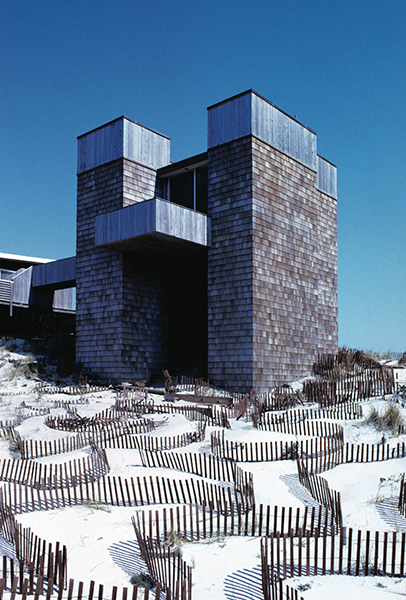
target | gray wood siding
[
  {"x": 152, "y": 216},
  {"x": 22, "y": 286},
  {"x": 120, "y": 316},
  {"x": 283, "y": 133},
  {"x": 59, "y": 273},
  {"x": 122, "y": 139},
  {"x": 250, "y": 114},
  {"x": 326, "y": 177},
  {"x": 229, "y": 121},
  {"x": 63, "y": 300},
  {"x": 229, "y": 266}
]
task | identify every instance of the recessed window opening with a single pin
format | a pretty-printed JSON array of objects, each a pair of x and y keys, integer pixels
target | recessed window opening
[{"x": 189, "y": 189}]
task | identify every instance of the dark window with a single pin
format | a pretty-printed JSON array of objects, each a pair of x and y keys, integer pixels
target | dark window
[
  {"x": 181, "y": 189},
  {"x": 201, "y": 190},
  {"x": 188, "y": 189}
]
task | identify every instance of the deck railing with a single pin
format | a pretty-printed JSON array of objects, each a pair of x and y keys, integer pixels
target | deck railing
[{"x": 6, "y": 293}]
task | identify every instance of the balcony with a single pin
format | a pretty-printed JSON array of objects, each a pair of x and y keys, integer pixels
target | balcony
[{"x": 153, "y": 226}]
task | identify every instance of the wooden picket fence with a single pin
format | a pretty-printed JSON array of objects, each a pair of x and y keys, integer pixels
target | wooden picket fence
[
  {"x": 71, "y": 390},
  {"x": 124, "y": 435},
  {"x": 8, "y": 432},
  {"x": 352, "y": 453},
  {"x": 320, "y": 490},
  {"x": 132, "y": 392},
  {"x": 270, "y": 451},
  {"x": 200, "y": 522},
  {"x": 280, "y": 398},
  {"x": 101, "y": 426},
  {"x": 76, "y": 591},
  {"x": 355, "y": 387},
  {"x": 33, "y": 411},
  {"x": 14, "y": 581},
  {"x": 349, "y": 552},
  {"x": 37, "y": 448},
  {"x": 346, "y": 360},
  {"x": 280, "y": 590},
  {"x": 165, "y": 565},
  {"x": 134, "y": 406},
  {"x": 318, "y": 454},
  {"x": 344, "y": 412},
  {"x": 205, "y": 465},
  {"x": 212, "y": 415},
  {"x": 402, "y": 496},
  {"x": 74, "y": 422},
  {"x": 301, "y": 427},
  {"x": 199, "y": 386},
  {"x": 8, "y": 424},
  {"x": 296, "y": 542},
  {"x": 78, "y": 401},
  {"x": 116, "y": 491},
  {"x": 30, "y": 550},
  {"x": 157, "y": 444},
  {"x": 68, "y": 474},
  {"x": 46, "y": 567}
]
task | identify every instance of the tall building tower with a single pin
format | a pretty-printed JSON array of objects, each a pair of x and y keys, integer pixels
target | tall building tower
[
  {"x": 120, "y": 316},
  {"x": 272, "y": 265}
]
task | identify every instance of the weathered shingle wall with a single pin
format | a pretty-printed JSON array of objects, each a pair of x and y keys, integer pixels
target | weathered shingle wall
[
  {"x": 143, "y": 318},
  {"x": 294, "y": 268},
  {"x": 98, "y": 272},
  {"x": 229, "y": 293},
  {"x": 272, "y": 267},
  {"x": 139, "y": 183},
  {"x": 114, "y": 296}
]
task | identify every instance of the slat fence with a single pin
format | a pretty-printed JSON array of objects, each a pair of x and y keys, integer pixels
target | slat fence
[
  {"x": 166, "y": 566},
  {"x": 207, "y": 466},
  {"x": 348, "y": 552},
  {"x": 116, "y": 491},
  {"x": 201, "y": 522},
  {"x": 51, "y": 476},
  {"x": 276, "y": 450}
]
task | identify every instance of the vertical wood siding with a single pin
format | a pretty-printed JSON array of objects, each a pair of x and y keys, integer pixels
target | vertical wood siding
[
  {"x": 250, "y": 114},
  {"x": 326, "y": 177},
  {"x": 54, "y": 273},
  {"x": 152, "y": 216},
  {"x": 122, "y": 139},
  {"x": 283, "y": 133}
]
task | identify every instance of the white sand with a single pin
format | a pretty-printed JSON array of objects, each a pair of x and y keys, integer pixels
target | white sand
[{"x": 101, "y": 543}]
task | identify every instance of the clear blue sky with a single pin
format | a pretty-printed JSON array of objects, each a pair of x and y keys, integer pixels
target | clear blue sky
[{"x": 67, "y": 67}]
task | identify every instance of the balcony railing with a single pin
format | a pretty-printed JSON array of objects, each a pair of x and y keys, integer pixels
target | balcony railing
[{"x": 6, "y": 293}]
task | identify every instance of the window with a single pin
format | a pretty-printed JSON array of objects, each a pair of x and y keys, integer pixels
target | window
[
  {"x": 189, "y": 189},
  {"x": 181, "y": 189}
]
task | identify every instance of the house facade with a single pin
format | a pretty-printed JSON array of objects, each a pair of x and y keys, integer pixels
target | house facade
[{"x": 225, "y": 261}]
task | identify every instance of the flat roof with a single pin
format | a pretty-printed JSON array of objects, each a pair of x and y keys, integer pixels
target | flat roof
[
  {"x": 199, "y": 160},
  {"x": 32, "y": 260},
  {"x": 251, "y": 91},
  {"x": 120, "y": 119}
]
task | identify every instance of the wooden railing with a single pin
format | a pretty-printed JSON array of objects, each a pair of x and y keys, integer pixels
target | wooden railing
[{"x": 6, "y": 293}]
